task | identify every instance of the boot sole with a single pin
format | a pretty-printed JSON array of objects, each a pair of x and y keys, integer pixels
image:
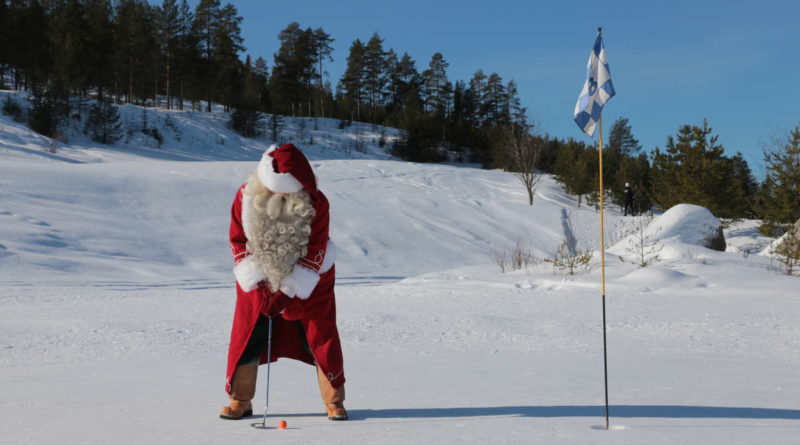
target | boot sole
[
  {"x": 247, "y": 413},
  {"x": 337, "y": 418}
]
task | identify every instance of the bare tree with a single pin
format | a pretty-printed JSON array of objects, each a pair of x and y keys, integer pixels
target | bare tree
[
  {"x": 522, "y": 152},
  {"x": 515, "y": 258}
]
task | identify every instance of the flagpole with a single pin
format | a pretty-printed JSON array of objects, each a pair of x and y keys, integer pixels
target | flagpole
[
  {"x": 597, "y": 89},
  {"x": 603, "y": 262}
]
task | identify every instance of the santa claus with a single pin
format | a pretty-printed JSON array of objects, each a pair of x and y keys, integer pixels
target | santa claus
[{"x": 284, "y": 272}]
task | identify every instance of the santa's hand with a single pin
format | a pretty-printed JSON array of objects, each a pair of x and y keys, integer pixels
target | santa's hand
[{"x": 274, "y": 303}]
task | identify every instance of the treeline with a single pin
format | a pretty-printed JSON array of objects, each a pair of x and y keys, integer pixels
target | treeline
[
  {"x": 128, "y": 50},
  {"x": 439, "y": 117},
  {"x": 691, "y": 168},
  {"x": 131, "y": 51}
]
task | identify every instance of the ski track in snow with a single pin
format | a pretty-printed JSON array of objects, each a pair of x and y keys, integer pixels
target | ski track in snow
[{"x": 116, "y": 296}]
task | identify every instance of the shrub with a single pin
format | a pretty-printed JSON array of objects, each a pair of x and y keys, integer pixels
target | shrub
[
  {"x": 12, "y": 109},
  {"x": 566, "y": 261}
]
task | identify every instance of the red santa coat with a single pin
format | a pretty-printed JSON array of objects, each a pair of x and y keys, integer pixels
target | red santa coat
[{"x": 313, "y": 309}]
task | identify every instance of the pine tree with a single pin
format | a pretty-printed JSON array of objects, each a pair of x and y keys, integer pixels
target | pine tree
[
  {"x": 245, "y": 116},
  {"x": 575, "y": 167},
  {"x": 437, "y": 89},
  {"x": 103, "y": 124},
  {"x": 738, "y": 188},
  {"x": 136, "y": 49},
  {"x": 391, "y": 80},
  {"x": 493, "y": 99},
  {"x": 169, "y": 39},
  {"x": 204, "y": 27},
  {"x": 323, "y": 50},
  {"x": 5, "y": 39},
  {"x": 694, "y": 170},
  {"x": 622, "y": 149},
  {"x": 275, "y": 125},
  {"x": 477, "y": 88},
  {"x": 513, "y": 106},
  {"x": 459, "y": 113},
  {"x": 43, "y": 117},
  {"x": 33, "y": 52},
  {"x": 636, "y": 171},
  {"x": 261, "y": 78},
  {"x": 228, "y": 43},
  {"x": 186, "y": 53},
  {"x": 100, "y": 31},
  {"x": 779, "y": 199},
  {"x": 70, "y": 42},
  {"x": 404, "y": 79},
  {"x": 294, "y": 69},
  {"x": 374, "y": 65},
  {"x": 245, "y": 120},
  {"x": 351, "y": 83}
]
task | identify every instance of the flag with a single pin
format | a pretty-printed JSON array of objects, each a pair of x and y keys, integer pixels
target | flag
[{"x": 596, "y": 90}]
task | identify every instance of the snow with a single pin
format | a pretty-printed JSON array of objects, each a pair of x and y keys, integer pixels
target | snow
[
  {"x": 116, "y": 297},
  {"x": 772, "y": 247},
  {"x": 743, "y": 236},
  {"x": 686, "y": 224}
]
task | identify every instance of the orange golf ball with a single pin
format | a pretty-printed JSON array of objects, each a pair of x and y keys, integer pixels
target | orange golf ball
[{"x": 282, "y": 425}]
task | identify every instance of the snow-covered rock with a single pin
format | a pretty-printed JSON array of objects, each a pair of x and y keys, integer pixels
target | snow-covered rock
[
  {"x": 676, "y": 233},
  {"x": 690, "y": 224}
]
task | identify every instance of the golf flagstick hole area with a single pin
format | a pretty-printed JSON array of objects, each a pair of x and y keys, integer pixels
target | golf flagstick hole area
[{"x": 610, "y": 427}]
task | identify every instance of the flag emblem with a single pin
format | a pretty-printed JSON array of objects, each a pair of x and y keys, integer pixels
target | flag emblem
[{"x": 597, "y": 89}]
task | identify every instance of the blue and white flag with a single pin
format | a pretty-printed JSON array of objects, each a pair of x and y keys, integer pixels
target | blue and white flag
[{"x": 596, "y": 91}]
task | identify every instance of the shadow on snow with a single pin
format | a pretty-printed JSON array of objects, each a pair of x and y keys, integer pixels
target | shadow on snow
[{"x": 628, "y": 411}]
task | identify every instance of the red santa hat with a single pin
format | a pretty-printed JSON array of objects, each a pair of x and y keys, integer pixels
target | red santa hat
[{"x": 285, "y": 169}]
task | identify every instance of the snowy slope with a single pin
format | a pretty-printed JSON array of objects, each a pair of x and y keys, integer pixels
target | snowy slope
[
  {"x": 189, "y": 136},
  {"x": 116, "y": 296}
]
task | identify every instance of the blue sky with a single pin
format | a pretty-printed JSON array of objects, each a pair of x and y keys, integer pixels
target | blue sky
[{"x": 735, "y": 63}]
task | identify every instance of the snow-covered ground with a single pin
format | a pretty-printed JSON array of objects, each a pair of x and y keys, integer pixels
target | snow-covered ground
[{"x": 116, "y": 296}]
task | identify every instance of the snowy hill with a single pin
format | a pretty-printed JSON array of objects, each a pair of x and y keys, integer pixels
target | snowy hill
[
  {"x": 116, "y": 295},
  {"x": 189, "y": 136}
]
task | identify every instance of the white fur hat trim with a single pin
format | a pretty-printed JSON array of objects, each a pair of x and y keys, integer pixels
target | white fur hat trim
[{"x": 277, "y": 182}]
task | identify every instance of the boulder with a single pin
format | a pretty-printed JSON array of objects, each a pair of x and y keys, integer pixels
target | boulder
[{"x": 690, "y": 224}]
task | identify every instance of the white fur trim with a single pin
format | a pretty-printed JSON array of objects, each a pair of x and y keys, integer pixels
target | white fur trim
[
  {"x": 277, "y": 182},
  {"x": 330, "y": 257},
  {"x": 248, "y": 274},
  {"x": 300, "y": 283},
  {"x": 272, "y": 148},
  {"x": 246, "y": 203}
]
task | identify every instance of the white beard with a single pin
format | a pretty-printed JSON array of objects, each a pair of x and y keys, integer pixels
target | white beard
[{"x": 277, "y": 226}]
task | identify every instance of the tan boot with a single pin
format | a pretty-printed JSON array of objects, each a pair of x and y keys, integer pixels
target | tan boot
[
  {"x": 243, "y": 388},
  {"x": 333, "y": 398}
]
